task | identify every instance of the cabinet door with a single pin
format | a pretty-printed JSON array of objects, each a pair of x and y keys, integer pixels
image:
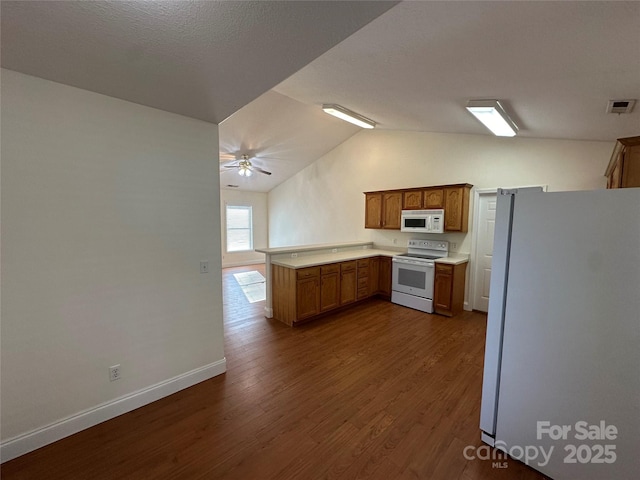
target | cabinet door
[
  {"x": 384, "y": 280},
  {"x": 308, "y": 297},
  {"x": 391, "y": 210},
  {"x": 329, "y": 291},
  {"x": 412, "y": 200},
  {"x": 433, "y": 198},
  {"x": 615, "y": 179},
  {"x": 630, "y": 161},
  {"x": 348, "y": 282},
  {"x": 443, "y": 288},
  {"x": 456, "y": 209},
  {"x": 373, "y": 210}
]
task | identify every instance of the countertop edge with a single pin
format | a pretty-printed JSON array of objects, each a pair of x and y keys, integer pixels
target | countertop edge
[
  {"x": 309, "y": 248},
  {"x": 457, "y": 259},
  {"x": 323, "y": 259}
]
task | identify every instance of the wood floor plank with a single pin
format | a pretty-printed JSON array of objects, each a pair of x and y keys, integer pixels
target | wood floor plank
[{"x": 375, "y": 391}]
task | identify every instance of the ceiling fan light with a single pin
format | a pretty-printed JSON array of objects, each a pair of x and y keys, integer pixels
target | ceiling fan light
[
  {"x": 493, "y": 116},
  {"x": 348, "y": 115},
  {"x": 244, "y": 171}
]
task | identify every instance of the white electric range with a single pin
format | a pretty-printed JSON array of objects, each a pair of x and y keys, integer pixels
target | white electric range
[{"x": 414, "y": 272}]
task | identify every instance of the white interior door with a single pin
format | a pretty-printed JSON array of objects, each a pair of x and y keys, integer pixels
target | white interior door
[{"x": 484, "y": 250}]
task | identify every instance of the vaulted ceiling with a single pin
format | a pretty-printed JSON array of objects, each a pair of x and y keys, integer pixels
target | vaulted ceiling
[{"x": 262, "y": 69}]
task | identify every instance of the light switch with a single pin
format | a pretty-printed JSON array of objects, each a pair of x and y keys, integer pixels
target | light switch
[{"x": 204, "y": 267}]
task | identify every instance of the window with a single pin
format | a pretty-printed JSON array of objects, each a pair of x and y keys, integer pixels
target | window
[{"x": 239, "y": 229}]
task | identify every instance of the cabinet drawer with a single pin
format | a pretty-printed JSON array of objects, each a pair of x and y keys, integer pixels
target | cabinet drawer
[
  {"x": 331, "y": 268},
  {"x": 363, "y": 293},
  {"x": 363, "y": 271},
  {"x": 363, "y": 282},
  {"x": 307, "y": 272},
  {"x": 363, "y": 263},
  {"x": 347, "y": 266},
  {"x": 443, "y": 268}
]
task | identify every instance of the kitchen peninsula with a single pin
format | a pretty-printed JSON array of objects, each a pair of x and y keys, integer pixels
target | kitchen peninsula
[
  {"x": 306, "y": 256},
  {"x": 308, "y": 281}
]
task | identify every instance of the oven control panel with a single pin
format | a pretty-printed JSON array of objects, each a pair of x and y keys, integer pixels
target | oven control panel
[{"x": 429, "y": 244}]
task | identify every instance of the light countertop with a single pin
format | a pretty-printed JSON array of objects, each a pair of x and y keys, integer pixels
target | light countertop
[
  {"x": 454, "y": 259},
  {"x": 324, "y": 258},
  {"x": 309, "y": 248},
  {"x": 345, "y": 256}
]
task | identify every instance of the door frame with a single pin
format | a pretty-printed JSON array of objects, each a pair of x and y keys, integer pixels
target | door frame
[{"x": 474, "y": 237}]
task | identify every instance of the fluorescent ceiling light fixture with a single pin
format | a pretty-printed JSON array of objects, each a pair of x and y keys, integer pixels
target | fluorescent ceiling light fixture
[
  {"x": 493, "y": 116},
  {"x": 348, "y": 115}
]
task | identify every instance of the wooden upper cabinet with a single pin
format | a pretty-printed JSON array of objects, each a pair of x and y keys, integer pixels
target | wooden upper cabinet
[
  {"x": 412, "y": 200},
  {"x": 391, "y": 210},
  {"x": 624, "y": 166},
  {"x": 384, "y": 209},
  {"x": 456, "y": 208},
  {"x": 433, "y": 198},
  {"x": 373, "y": 210}
]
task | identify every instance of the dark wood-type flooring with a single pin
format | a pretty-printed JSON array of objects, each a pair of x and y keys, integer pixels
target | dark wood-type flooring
[{"x": 376, "y": 392}]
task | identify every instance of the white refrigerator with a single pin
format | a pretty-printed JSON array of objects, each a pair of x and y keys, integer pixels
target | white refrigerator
[{"x": 561, "y": 384}]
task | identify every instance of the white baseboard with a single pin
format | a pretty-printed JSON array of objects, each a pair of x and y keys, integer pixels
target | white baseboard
[{"x": 27, "y": 442}]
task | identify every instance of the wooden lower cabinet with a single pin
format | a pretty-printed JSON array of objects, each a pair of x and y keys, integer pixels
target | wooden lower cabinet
[
  {"x": 448, "y": 295},
  {"x": 299, "y": 295},
  {"x": 348, "y": 282},
  {"x": 384, "y": 278},
  {"x": 307, "y": 298},
  {"x": 329, "y": 287},
  {"x": 364, "y": 282}
]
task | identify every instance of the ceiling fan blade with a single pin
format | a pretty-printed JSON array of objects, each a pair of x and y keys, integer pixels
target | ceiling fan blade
[
  {"x": 258, "y": 169},
  {"x": 228, "y": 156},
  {"x": 230, "y": 166}
]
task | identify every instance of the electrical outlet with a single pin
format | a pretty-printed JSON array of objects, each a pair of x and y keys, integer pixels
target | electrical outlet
[
  {"x": 454, "y": 246},
  {"x": 114, "y": 373},
  {"x": 294, "y": 255},
  {"x": 204, "y": 267},
  {"x": 334, "y": 250},
  {"x": 395, "y": 241}
]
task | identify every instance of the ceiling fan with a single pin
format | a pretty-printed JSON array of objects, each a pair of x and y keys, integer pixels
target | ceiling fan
[{"x": 245, "y": 167}]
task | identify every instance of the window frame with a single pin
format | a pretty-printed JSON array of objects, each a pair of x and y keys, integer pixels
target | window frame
[{"x": 248, "y": 208}]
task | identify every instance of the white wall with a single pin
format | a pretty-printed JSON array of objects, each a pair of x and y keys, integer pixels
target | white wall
[
  {"x": 107, "y": 209},
  {"x": 325, "y": 202},
  {"x": 258, "y": 202}
]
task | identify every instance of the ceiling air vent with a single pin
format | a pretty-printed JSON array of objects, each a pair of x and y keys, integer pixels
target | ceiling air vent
[{"x": 620, "y": 106}]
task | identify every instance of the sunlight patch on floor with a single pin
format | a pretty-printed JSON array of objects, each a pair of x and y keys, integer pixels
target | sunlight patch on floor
[{"x": 252, "y": 284}]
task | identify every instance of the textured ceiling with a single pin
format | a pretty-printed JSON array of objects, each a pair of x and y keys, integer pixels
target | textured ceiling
[
  {"x": 554, "y": 64},
  {"x": 203, "y": 59},
  {"x": 412, "y": 66},
  {"x": 281, "y": 135}
]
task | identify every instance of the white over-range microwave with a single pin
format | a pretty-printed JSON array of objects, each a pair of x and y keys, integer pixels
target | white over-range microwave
[{"x": 422, "y": 221}]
